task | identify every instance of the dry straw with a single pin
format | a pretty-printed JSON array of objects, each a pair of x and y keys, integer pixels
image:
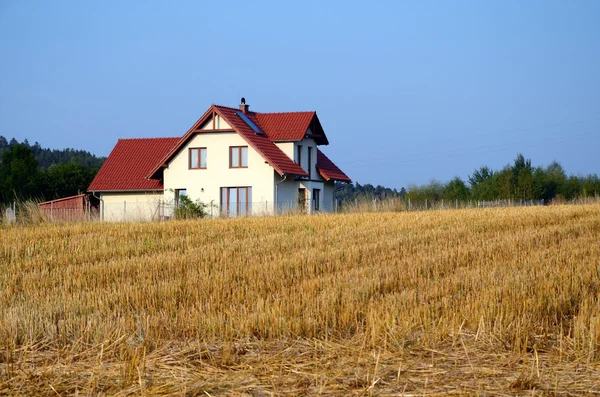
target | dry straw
[{"x": 466, "y": 301}]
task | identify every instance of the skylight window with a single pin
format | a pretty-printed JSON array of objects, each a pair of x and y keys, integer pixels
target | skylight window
[{"x": 249, "y": 122}]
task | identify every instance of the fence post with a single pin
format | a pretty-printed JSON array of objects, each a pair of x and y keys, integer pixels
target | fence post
[
  {"x": 409, "y": 207},
  {"x": 124, "y": 210},
  {"x": 52, "y": 210},
  {"x": 442, "y": 203},
  {"x": 425, "y": 204}
]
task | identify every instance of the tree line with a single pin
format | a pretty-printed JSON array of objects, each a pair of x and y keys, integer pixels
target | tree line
[
  {"x": 517, "y": 181},
  {"x": 32, "y": 172}
]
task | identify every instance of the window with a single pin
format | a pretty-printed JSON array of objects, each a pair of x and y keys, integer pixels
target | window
[
  {"x": 238, "y": 157},
  {"x": 316, "y": 199},
  {"x": 309, "y": 162},
  {"x": 178, "y": 194},
  {"x": 299, "y": 155},
  {"x": 236, "y": 201},
  {"x": 197, "y": 158},
  {"x": 249, "y": 122}
]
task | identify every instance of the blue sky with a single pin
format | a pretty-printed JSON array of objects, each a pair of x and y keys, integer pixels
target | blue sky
[{"x": 406, "y": 91}]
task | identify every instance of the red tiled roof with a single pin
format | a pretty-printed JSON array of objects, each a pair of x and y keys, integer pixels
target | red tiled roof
[
  {"x": 289, "y": 126},
  {"x": 261, "y": 143},
  {"x": 129, "y": 162},
  {"x": 136, "y": 164},
  {"x": 328, "y": 170}
]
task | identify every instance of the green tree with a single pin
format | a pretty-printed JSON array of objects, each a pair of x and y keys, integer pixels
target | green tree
[
  {"x": 69, "y": 179},
  {"x": 504, "y": 184},
  {"x": 590, "y": 185},
  {"x": 522, "y": 178},
  {"x": 456, "y": 189},
  {"x": 483, "y": 184},
  {"x": 19, "y": 177}
]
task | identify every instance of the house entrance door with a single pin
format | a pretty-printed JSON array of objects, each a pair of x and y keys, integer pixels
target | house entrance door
[{"x": 302, "y": 199}]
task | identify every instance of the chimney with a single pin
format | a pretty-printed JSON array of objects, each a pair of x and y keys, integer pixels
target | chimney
[{"x": 243, "y": 107}]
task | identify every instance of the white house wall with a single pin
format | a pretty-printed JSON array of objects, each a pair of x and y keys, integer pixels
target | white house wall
[
  {"x": 130, "y": 206},
  {"x": 328, "y": 196},
  {"x": 287, "y": 195},
  {"x": 287, "y": 192},
  {"x": 205, "y": 184},
  {"x": 288, "y": 148}
]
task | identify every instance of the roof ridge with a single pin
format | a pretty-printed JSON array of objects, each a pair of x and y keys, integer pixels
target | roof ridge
[
  {"x": 292, "y": 112},
  {"x": 226, "y": 107},
  {"x": 145, "y": 139},
  {"x": 253, "y": 111}
]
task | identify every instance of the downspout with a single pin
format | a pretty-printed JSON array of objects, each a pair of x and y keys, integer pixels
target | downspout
[
  {"x": 102, "y": 206},
  {"x": 277, "y": 192}
]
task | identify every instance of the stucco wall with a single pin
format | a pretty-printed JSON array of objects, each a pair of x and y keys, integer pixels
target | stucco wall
[
  {"x": 289, "y": 148},
  {"x": 205, "y": 184},
  {"x": 287, "y": 193},
  {"x": 328, "y": 197},
  {"x": 130, "y": 206}
]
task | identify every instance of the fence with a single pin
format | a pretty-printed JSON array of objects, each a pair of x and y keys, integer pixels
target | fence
[
  {"x": 406, "y": 204},
  {"x": 159, "y": 210}
]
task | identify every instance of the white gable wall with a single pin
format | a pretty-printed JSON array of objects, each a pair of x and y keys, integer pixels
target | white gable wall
[
  {"x": 130, "y": 206},
  {"x": 205, "y": 184},
  {"x": 219, "y": 124}
]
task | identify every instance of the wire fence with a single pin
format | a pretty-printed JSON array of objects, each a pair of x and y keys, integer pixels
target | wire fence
[
  {"x": 407, "y": 204},
  {"x": 166, "y": 210},
  {"x": 159, "y": 210}
]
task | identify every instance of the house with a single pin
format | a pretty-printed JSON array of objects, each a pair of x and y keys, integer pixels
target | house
[{"x": 239, "y": 161}]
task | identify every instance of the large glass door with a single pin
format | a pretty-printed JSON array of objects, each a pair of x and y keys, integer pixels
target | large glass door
[{"x": 236, "y": 201}]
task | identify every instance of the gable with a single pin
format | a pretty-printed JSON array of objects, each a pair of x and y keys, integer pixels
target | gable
[
  {"x": 292, "y": 126},
  {"x": 215, "y": 122},
  {"x": 281, "y": 163}
]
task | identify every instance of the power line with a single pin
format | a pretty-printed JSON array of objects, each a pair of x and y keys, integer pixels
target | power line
[{"x": 479, "y": 149}]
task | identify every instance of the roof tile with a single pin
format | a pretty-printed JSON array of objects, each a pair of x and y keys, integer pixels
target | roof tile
[
  {"x": 274, "y": 156},
  {"x": 290, "y": 126},
  {"x": 328, "y": 170},
  {"x": 133, "y": 163},
  {"x": 129, "y": 162}
]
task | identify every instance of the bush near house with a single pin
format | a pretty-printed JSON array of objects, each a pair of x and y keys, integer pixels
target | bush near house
[{"x": 188, "y": 209}]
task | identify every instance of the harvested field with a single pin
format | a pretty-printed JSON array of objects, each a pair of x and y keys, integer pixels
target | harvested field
[{"x": 495, "y": 301}]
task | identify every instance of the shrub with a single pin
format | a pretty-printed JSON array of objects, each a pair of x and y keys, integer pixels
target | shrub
[{"x": 188, "y": 209}]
